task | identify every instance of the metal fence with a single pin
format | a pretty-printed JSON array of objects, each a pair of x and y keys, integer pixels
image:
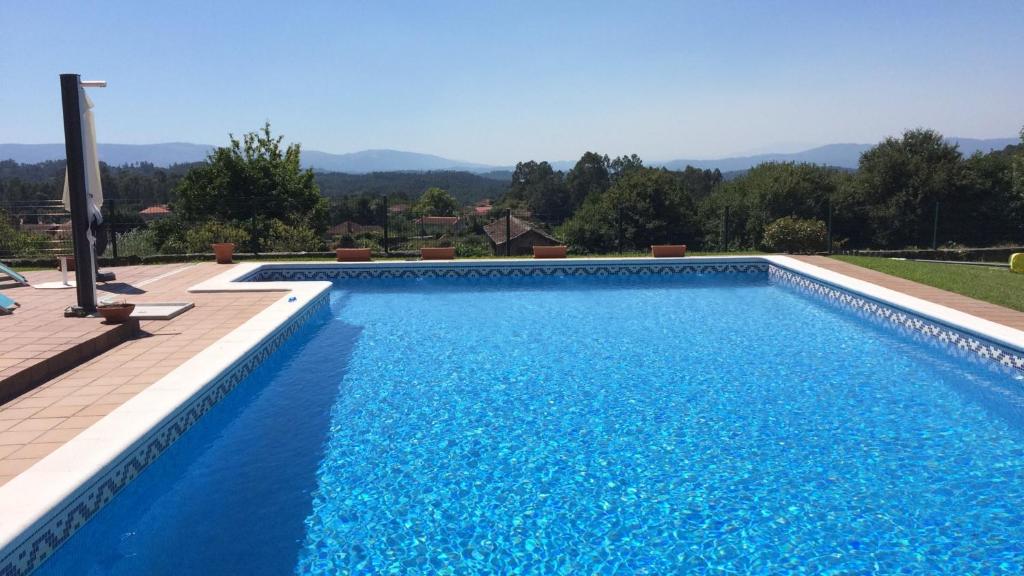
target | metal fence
[{"x": 41, "y": 232}]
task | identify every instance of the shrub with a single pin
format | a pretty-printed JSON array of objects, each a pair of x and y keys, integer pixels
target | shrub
[
  {"x": 472, "y": 246},
  {"x": 15, "y": 242},
  {"x": 198, "y": 238},
  {"x": 795, "y": 235},
  {"x": 135, "y": 242},
  {"x": 297, "y": 238}
]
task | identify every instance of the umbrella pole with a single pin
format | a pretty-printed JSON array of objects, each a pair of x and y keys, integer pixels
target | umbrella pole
[{"x": 85, "y": 266}]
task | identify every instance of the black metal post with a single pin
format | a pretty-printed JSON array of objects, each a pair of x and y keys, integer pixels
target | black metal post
[
  {"x": 85, "y": 265},
  {"x": 725, "y": 231},
  {"x": 254, "y": 243},
  {"x": 112, "y": 228},
  {"x": 386, "y": 218},
  {"x": 935, "y": 228},
  {"x": 112, "y": 231},
  {"x": 829, "y": 249},
  {"x": 508, "y": 232},
  {"x": 618, "y": 232}
]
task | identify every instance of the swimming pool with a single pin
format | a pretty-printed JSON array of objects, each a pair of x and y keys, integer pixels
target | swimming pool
[{"x": 739, "y": 418}]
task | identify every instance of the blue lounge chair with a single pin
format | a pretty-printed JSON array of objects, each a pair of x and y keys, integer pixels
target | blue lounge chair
[
  {"x": 7, "y": 305},
  {"x": 14, "y": 275}
]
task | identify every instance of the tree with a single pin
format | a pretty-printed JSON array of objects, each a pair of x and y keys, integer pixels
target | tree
[
  {"x": 644, "y": 206},
  {"x": 436, "y": 202},
  {"x": 766, "y": 193},
  {"x": 699, "y": 183},
  {"x": 588, "y": 177},
  {"x": 541, "y": 189},
  {"x": 902, "y": 179},
  {"x": 1018, "y": 168},
  {"x": 623, "y": 165},
  {"x": 253, "y": 177}
]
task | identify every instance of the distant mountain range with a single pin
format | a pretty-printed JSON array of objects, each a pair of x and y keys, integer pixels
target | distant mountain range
[{"x": 839, "y": 155}]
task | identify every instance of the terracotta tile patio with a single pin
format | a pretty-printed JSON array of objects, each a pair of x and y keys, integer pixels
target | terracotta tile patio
[{"x": 37, "y": 422}]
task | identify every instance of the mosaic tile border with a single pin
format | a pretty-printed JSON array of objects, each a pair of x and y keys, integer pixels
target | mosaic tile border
[
  {"x": 292, "y": 273},
  {"x": 63, "y": 522},
  {"x": 952, "y": 340}
]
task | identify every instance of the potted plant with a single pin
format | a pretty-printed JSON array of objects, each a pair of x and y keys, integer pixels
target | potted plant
[
  {"x": 224, "y": 252},
  {"x": 115, "y": 312},
  {"x": 353, "y": 254},
  {"x": 668, "y": 250},
  {"x": 437, "y": 253},
  {"x": 549, "y": 251}
]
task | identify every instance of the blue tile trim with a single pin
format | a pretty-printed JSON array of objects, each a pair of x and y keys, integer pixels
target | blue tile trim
[
  {"x": 27, "y": 555},
  {"x": 956, "y": 342},
  {"x": 293, "y": 272}
]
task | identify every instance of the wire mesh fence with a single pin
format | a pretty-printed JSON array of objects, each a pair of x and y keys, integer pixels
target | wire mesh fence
[{"x": 41, "y": 231}]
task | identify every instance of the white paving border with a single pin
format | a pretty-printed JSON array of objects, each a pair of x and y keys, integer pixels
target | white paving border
[{"x": 30, "y": 499}]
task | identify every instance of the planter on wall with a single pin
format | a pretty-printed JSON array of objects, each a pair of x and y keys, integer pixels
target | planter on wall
[
  {"x": 437, "y": 253},
  {"x": 352, "y": 254},
  {"x": 668, "y": 250},
  {"x": 549, "y": 251},
  {"x": 224, "y": 252}
]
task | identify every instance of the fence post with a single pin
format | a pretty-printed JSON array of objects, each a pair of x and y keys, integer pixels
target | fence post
[
  {"x": 935, "y": 228},
  {"x": 618, "y": 232},
  {"x": 829, "y": 248},
  {"x": 508, "y": 232},
  {"x": 386, "y": 214},
  {"x": 254, "y": 240},
  {"x": 112, "y": 230},
  {"x": 725, "y": 231}
]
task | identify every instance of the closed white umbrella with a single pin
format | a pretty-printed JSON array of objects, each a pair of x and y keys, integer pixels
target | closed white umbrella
[{"x": 93, "y": 186}]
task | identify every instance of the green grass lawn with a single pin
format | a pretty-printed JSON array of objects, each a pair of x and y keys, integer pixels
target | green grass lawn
[{"x": 995, "y": 285}]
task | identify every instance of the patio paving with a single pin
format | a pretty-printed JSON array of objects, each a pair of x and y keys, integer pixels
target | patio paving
[{"x": 40, "y": 420}]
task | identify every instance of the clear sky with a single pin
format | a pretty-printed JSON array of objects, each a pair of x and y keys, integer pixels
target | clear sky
[{"x": 499, "y": 82}]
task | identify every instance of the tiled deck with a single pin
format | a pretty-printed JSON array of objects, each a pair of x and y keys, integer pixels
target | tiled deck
[{"x": 36, "y": 423}]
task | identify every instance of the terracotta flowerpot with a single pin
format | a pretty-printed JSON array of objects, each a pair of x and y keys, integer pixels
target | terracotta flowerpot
[
  {"x": 352, "y": 254},
  {"x": 437, "y": 253},
  {"x": 668, "y": 251},
  {"x": 70, "y": 261},
  {"x": 549, "y": 251},
  {"x": 224, "y": 252},
  {"x": 116, "y": 313}
]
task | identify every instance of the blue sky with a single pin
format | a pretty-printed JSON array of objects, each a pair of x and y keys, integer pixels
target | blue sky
[{"x": 501, "y": 82}]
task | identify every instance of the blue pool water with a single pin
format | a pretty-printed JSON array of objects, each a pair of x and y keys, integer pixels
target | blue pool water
[{"x": 586, "y": 425}]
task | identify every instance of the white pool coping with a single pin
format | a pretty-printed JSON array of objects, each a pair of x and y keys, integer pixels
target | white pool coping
[{"x": 30, "y": 499}]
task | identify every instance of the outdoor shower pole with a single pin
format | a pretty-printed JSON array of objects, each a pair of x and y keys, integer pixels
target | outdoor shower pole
[
  {"x": 85, "y": 267},
  {"x": 935, "y": 228}
]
